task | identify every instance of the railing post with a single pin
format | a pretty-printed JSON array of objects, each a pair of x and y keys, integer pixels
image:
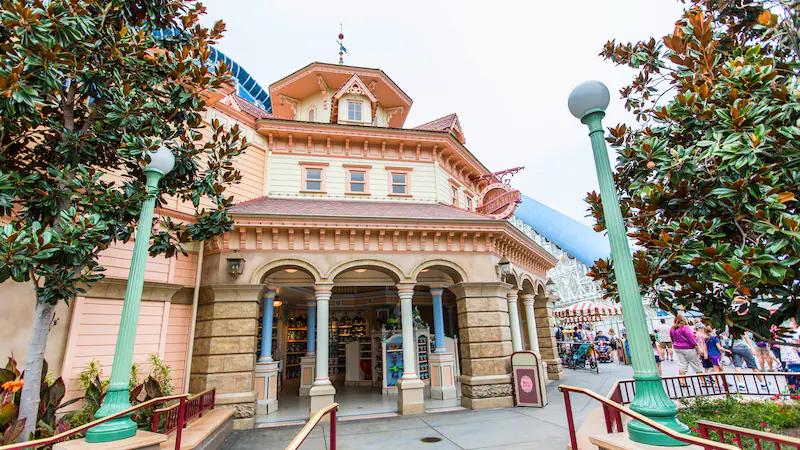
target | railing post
[
  {"x": 154, "y": 425},
  {"x": 200, "y": 408},
  {"x": 570, "y": 423},
  {"x": 213, "y": 398},
  {"x": 333, "y": 429},
  {"x": 181, "y": 418}
]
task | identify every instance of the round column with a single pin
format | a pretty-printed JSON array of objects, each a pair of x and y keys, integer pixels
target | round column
[
  {"x": 312, "y": 329},
  {"x": 406, "y": 294},
  {"x": 323, "y": 295},
  {"x": 266, "y": 326},
  {"x": 533, "y": 338},
  {"x": 438, "y": 319},
  {"x": 513, "y": 318}
]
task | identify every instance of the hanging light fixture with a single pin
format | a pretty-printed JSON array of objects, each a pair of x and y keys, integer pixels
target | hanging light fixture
[
  {"x": 504, "y": 266},
  {"x": 277, "y": 302},
  {"x": 361, "y": 270},
  {"x": 290, "y": 270}
]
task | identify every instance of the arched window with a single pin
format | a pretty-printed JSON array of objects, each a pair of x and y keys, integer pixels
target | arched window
[{"x": 312, "y": 114}]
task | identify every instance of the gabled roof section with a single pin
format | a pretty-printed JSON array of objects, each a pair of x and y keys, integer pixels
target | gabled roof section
[
  {"x": 329, "y": 79},
  {"x": 355, "y": 86},
  {"x": 447, "y": 124},
  {"x": 243, "y": 106}
]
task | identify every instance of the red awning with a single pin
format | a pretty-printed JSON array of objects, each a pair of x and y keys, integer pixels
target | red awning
[{"x": 587, "y": 309}]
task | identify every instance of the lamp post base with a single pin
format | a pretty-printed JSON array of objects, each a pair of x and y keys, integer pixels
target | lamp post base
[
  {"x": 115, "y": 429},
  {"x": 652, "y": 401}
]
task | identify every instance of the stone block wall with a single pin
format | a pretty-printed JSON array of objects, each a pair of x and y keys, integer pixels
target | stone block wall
[
  {"x": 545, "y": 330},
  {"x": 485, "y": 344},
  {"x": 225, "y": 348}
]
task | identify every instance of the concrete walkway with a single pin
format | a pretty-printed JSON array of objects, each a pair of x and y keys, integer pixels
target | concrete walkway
[{"x": 507, "y": 428}]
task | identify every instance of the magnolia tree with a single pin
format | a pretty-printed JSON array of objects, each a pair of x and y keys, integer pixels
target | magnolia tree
[
  {"x": 87, "y": 88},
  {"x": 708, "y": 177}
]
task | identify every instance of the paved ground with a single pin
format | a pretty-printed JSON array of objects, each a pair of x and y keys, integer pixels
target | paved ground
[{"x": 507, "y": 428}]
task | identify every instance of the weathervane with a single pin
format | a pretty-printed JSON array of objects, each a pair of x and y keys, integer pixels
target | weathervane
[{"x": 342, "y": 49}]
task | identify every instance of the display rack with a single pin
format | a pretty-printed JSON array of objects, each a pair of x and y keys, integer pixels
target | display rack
[
  {"x": 422, "y": 357},
  {"x": 296, "y": 345},
  {"x": 390, "y": 367}
]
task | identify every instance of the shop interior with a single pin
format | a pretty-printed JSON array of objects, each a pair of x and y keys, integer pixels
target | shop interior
[{"x": 365, "y": 343}]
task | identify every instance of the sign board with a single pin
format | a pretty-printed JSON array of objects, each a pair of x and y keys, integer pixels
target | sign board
[
  {"x": 498, "y": 200},
  {"x": 528, "y": 378}
]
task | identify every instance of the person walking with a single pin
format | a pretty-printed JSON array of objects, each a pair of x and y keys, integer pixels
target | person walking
[
  {"x": 664, "y": 340},
  {"x": 742, "y": 353},
  {"x": 685, "y": 347},
  {"x": 714, "y": 349},
  {"x": 790, "y": 356}
]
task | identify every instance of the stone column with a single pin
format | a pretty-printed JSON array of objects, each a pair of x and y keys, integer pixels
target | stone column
[
  {"x": 225, "y": 348},
  {"x": 485, "y": 344},
  {"x": 308, "y": 362},
  {"x": 527, "y": 302},
  {"x": 545, "y": 324},
  {"x": 513, "y": 317},
  {"x": 322, "y": 392},
  {"x": 441, "y": 362},
  {"x": 410, "y": 389},
  {"x": 266, "y": 375}
]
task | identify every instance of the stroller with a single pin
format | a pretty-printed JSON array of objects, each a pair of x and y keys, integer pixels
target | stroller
[
  {"x": 603, "y": 351},
  {"x": 581, "y": 357}
]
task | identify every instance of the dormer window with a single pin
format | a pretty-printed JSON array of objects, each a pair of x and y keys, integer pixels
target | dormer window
[{"x": 354, "y": 111}]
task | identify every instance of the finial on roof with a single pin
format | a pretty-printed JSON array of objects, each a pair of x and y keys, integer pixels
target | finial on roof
[{"x": 342, "y": 49}]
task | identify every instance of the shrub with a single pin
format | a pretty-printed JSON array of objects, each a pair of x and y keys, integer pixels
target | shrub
[{"x": 771, "y": 416}]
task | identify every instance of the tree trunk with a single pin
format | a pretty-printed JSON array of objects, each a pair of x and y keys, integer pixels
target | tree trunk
[{"x": 29, "y": 400}]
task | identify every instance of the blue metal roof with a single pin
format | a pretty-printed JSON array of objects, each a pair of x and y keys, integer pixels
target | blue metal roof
[
  {"x": 573, "y": 237},
  {"x": 246, "y": 86}
]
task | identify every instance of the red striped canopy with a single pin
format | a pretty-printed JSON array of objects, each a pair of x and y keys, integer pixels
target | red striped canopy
[{"x": 587, "y": 309}]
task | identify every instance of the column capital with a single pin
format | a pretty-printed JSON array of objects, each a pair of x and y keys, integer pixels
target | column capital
[
  {"x": 437, "y": 291},
  {"x": 512, "y": 296},
  {"x": 270, "y": 294},
  {"x": 405, "y": 288},
  {"x": 322, "y": 288},
  {"x": 478, "y": 289},
  {"x": 527, "y": 298}
]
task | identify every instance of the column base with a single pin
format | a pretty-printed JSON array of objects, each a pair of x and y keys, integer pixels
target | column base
[
  {"x": 266, "y": 380},
  {"x": 410, "y": 396},
  {"x": 321, "y": 395},
  {"x": 308, "y": 366},
  {"x": 486, "y": 391},
  {"x": 442, "y": 367},
  {"x": 652, "y": 401}
]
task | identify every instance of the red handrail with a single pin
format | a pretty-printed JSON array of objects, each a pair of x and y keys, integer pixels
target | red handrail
[
  {"x": 704, "y": 443},
  {"x": 195, "y": 406},
  {"x": 705, "y": 427},
  {"x": 312, "y": 422},
  {"x": 63, "y": 436}
]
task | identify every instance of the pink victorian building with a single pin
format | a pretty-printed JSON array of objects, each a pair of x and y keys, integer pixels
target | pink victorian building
[{"x": 372, "y": 264}]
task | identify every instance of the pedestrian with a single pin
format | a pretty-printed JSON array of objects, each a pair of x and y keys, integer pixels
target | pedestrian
[
  {"x": 790, "y": 356},
  {"x": 700, "y": 336},
  {"x": 614, "y": 343},
  {"x": 764, "y": 356},
  {"x": 742, "y": 352},
  {"x": 664, "y": 340},
  {"x": 714, "y": 349},
  {"x": 685, "y": 347},
  {"x": 657, "y": 354}
]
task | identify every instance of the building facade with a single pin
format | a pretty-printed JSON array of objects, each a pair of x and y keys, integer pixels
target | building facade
[{"x": 366, "y": 257}]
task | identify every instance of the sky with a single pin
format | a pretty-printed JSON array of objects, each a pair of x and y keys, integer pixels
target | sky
[{"x": 505, "y": 67}]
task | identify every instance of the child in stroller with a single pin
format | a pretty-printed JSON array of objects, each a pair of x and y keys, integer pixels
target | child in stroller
[{"x": 602, "y": 347}]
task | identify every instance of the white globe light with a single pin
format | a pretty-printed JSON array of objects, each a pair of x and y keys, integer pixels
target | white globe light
[
  {"x": 587, "y": 97},
  {"x": 161, "y": 160}
]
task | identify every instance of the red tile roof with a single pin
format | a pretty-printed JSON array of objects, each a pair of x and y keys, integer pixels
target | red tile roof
[
  {"x": 441, "y": 124},
  {"x": 271, "y": 206},
  {"x": 251, "y": 109}
]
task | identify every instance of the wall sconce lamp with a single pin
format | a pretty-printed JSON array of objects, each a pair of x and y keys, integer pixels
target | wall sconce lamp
[
  {"x": 235, "y": 265},
  {"x": 277, "y": 302},
  {"x": 504, "y": 267}
]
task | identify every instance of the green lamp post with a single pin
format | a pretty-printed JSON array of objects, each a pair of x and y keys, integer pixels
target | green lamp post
[
  {"x": 161, "y": 162},
  {"x": 588, "y": 102}
]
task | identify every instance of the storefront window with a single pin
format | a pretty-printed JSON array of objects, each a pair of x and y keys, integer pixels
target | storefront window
[{"x": 399, "y": 183}]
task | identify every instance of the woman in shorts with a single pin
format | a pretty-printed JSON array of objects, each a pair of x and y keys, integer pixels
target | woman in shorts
[
  {"x": 764, "y": 356},
  {"x": 714, "y": 350}
]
